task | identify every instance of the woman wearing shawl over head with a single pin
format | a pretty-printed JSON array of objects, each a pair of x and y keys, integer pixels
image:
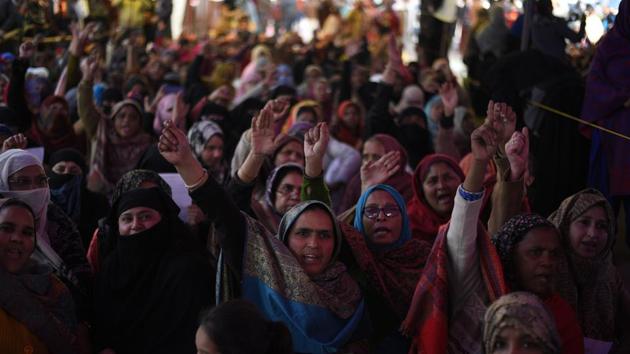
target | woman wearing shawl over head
[
  {"x": 379, "y": 250},
  {"x": 607, "y": 102},
  {"x": 373, "y": 149},
  {"x": 463, "y": 273},
  {"x": 59, "y": 244},
  {"x": 36, "y": 310},
  {"x": 435, "y": 184},
  {"x": 206, "y": 140},
  {"x": 293, "y": 277},
  {"x": 589, "y": 279},
  {"x": 154, "y": 280},
  {"x": 531, "y": 253},
  {"x": 519, "y": 322},
  {"x": 118, "y": 140}
]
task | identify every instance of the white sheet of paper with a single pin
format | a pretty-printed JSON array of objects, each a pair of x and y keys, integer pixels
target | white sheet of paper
[
  {"x": 594, "y": 346},
  {"x": 180, "y": 193},
  {"x": 37, "y": 152}
]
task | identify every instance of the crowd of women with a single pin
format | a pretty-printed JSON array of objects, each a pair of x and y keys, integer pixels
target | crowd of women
[{"x": 342, "y": 201}]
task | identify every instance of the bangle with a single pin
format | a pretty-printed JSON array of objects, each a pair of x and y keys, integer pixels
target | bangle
[
  {"x": 200, "y": 181},
  {"x": 469, "y": 196}
]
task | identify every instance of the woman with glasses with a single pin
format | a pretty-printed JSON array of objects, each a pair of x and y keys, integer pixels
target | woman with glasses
[
  {"x": 379, "y": 250},
  {"x": 294, "y": 276},
  {"x": 58, "y": 241}
]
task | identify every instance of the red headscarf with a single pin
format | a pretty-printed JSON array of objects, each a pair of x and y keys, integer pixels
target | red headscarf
[
  {"x": 349, "y": 135},
  {"x": 424, "y": 221}
]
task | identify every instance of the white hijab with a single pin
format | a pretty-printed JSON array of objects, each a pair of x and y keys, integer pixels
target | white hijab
[{"x": 12, "y": 161}]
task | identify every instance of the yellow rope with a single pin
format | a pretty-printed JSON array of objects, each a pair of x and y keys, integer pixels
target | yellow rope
[{"x": 566, "y": 115}]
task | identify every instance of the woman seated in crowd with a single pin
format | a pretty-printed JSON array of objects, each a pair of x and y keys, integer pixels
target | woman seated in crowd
[
  {"x": 238, "y": 327},
  {"x": 378, "y": 247},
  {"x": 153, "y": 281},
  {"x": 589, "y": 280},
  {"x": 68, "y": 190},
  {"x": 119, "y": 139},
  {"x": 206, "y": 140},
  {"x": 293, "y": 277},
  {"x": 59, "y": 244},
  {"x": 518, "y": 322},
  {"x": 37, "y": 313}
]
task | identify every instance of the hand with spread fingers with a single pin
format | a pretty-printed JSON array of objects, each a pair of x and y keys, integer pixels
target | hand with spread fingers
[
  {"x": 517, "y": 151},
  {"x": 377, "y": 172},
  {"x": 504, "y": 121}
]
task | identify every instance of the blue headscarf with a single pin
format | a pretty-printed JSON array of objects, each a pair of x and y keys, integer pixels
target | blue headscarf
[{"x": 405, "y": 232}]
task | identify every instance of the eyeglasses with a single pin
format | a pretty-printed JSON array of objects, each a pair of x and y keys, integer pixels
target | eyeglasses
[
  {"x": 389, "y": 211},
  {"x": 26, "y": 183},
  {"x": 287, "y": 189}
]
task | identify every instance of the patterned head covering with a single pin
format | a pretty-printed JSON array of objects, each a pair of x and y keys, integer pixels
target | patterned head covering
[
  {"x": 525, "y": 313},
  {"x": 200, "y": 133},
  {"x": 274, "y": 180},
  {"x": 576, "y": 205},
  {"x": 133, "y": 179},
  {"x": 291, "y": 216},
  {"x": 511, "y": 234}
]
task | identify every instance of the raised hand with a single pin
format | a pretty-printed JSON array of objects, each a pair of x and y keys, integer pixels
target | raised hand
[
  {"x": 17, "y": 141},
  {"x": 263, "y": 137},
  {"x": 483, "y": 142},
  {"x": 517, "y": 151},
  {"x": 315, "y": 146},
  {"x": 89, "y": 68},
  {"x": 503, "y": 119},
  {"x": 151, "y": 106},
  {"x": 173, "y": 145},
  {"x": 180, "y": 110},
  {"x": 377, "y": 172},
  {"x": 449, "y": 96}
]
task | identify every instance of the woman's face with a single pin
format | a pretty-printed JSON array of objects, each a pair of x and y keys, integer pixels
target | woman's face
[
  {"x": 28, "y": 178},
  {"x": 381, "y": 229},
  {"x": 513, "y": 341},
  {"x": 17, "y": 237},
  {"x": 136, "y": 220},
  {"x": 439, "y": 188},
  {"x": 204, "y": 344},
  {"x": 67, "y": 168},
  {"x": 536, "y": 260},
  {"x": 213, "y": 152},
  {"x": 290, "y": 152},
  {"x": 372, "y": 151},
  {"x": 588, "y": 233},
  {"x": 312, "y": 241},
  {"x": 288, "y": 192},
  {"x": 127, "y": 122}
]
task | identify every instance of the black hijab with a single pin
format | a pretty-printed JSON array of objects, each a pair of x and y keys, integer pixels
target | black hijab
[{"x": 153, "y": 284}]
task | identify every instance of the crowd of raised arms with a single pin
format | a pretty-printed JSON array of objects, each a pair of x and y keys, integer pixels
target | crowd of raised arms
[{"x": 243, "y": 194}]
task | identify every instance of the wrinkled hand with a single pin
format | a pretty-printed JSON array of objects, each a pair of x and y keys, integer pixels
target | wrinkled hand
[
  {"x": 316, "y": 141},
  {"x": 27, "y": 49},
  {"x": 517, "y": 151},
  {"x": 449, "y": 96},
  {"x": 377, "y": 172},
  {"x": 504, "y": 120},
  {"x": 483, "y": 142},
  {"x": 263, "y": 135},
  {"x": 173, "y": 145},
  {"x": 17, "y": 141},
  {"x": 195, "y": 215}
]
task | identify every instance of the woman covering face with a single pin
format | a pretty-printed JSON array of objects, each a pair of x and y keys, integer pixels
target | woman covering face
[
  {"x": 153, "y": 281},
  {"x": 519, "y": 323}
]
